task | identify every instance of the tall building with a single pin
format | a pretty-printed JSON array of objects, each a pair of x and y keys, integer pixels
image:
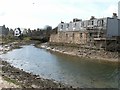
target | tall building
[{"x": 119, "y": 10}]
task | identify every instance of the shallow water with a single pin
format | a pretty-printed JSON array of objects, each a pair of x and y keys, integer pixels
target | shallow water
[{"x": 63, "y": 68}]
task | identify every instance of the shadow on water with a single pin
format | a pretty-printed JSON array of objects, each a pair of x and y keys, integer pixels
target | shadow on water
[{"x": 74, "y": 71}]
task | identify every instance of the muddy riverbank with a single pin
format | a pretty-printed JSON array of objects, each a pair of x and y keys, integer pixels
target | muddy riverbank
[
  {"x": 91, "y": 54},
  {"x": 4, "y": 48},
  {"x": 25, "y": 79}
]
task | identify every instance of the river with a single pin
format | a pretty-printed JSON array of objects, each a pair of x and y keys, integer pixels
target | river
[{"x": 70, "y": 70}]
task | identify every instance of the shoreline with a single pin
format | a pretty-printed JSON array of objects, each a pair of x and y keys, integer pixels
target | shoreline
[
  {"x": 98, "y": 55},
  {"x": 27, "y": 80},
  {"x": 14, "y": 45},
  {"x": 17, "y": 78}
]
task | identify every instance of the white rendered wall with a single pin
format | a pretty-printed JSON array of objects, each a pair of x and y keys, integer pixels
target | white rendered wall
[
  {"x": 119, "y": 27},
  {"x": 112, "y": 27},
  {"x": 119, "y": 10}
]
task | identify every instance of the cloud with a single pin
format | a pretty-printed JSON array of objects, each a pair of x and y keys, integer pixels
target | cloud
[
  {"x": 38, "y": 13},
  {"x": 2, "y": 13},
  {"x": 111, "y": 9}
]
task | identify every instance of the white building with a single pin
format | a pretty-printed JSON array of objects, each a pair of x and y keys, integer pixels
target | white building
[
  {"x": 102, "y": 27},
  {"x": 119, "y": 10},
  {"x": 17, "y": 32}
]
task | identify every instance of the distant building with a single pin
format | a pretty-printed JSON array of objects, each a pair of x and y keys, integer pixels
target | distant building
[
  {"x": 3, "y": 30},
  {"x": 11, "y": 33},
  {"x": 87, "y": 31},
  {"x": 107, "y": 26},
  {"x": 17, "y": 32},
  {"x": 25, "y": 31}
]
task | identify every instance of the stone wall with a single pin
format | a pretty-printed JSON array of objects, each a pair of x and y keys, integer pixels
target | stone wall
[
  {"x": 73, "y": 37},
  {"x": 82, "y": 39}
]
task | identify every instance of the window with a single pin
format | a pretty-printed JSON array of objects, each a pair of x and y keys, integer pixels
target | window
[
  {"x": 67, "y": 25},
  {"x": 73, "y": 35},
  {"x": 98, "y": 23},
  {"x": 82, "y": 24},
  {"x": 102, "y": 23},
  {"x": 61, "y": 26},
  {"x": 80, "y": 35},
  {"x": 66, "y": 36},
  {"x": 90, "y": 34},
  {"x": 92, "y": 22},
  {"x": 75, "y": 24}
]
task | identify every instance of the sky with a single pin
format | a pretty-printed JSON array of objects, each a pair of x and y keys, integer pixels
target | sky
[{"x": 38, "y": 13}]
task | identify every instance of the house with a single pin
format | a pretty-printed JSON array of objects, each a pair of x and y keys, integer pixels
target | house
[
  {"x": 11, "y": 33},
  {"x": 25, "y": 31},
  {"x": 17, "y": 32},
  {"x": 87, "y": 31},
  {"x": 3, "y": 30}
]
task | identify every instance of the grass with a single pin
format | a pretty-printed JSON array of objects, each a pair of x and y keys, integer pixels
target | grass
[
  {"x": 11, "y": 80},
  {"x": 15, "y": 82}
]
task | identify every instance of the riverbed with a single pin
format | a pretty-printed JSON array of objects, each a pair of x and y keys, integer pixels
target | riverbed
[{"x": 74, "y": 71}]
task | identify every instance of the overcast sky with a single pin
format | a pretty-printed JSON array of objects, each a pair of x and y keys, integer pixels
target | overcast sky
[{"x": 38, "y": 13}]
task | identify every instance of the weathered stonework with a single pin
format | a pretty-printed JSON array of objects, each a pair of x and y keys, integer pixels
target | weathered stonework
[
  {"x": 94, "y": 33},
  {"x": 70, "y": 37}
]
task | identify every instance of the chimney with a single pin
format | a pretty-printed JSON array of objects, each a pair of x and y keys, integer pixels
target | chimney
[
  {"x": 114, "y": 15},
  {"x": 62, "y": 22},
  {"x": 92, "y": 17}
]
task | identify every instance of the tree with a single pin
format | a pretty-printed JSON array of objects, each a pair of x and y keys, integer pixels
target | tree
[
  {"x": 47, "y": 27},
  {"x": 10, "y": 34},
  {"x": 29, "y": 32}
]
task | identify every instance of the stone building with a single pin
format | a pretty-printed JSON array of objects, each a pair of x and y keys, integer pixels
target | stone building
[
  {"x": 88, "y": 31},
  {"x": 3, "y": 30}
]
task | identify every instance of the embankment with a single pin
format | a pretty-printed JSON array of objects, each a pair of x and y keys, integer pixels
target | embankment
[{"x": 82, "y": 52}]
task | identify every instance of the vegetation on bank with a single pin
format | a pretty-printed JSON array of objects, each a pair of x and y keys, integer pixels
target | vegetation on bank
[
  {"x": 26, "y": 35},
  {"x": 11, "y": 80},
  {"x": 23, "y": 39}
]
